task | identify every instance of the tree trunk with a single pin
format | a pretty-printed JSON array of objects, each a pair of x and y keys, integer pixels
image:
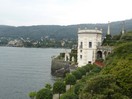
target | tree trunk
[{"x": 59, "y": 95}]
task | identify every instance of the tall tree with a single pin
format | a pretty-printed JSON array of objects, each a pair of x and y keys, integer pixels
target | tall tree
[
  {"x": 77, "y": 74},
  {"x": 59, "y": 87},
  {"x": 44, "y": 94},
  {"x": 48, "y": 86},
  {"x": 70, "y": 79}
]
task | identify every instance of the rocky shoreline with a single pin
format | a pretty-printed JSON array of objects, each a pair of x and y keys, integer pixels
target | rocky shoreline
[
  {"x": 64, "y": 63},
  {"x": 59, "y": 67}
]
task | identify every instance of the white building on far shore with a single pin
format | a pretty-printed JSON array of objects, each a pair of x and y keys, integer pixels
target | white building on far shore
[{"x": 88, "y": 42}]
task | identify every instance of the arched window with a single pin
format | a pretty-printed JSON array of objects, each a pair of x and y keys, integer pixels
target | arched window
[
  {"x": 108, "y": 53},
  {"x": 99, "y": 54},
  {"x": 105, "y": 53}
]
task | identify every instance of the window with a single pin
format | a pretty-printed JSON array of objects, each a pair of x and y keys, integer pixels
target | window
[
  {"x": 89, "y": 62},
  {"x": 80, "y": 56},
  {"x": 80, "y": 50},
  {"x": 81, "y": 45},
  {"x": 90, "y": 44}
]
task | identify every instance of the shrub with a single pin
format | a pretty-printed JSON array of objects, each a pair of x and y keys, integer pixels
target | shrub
[
  {"x": 59, "y": 87},
  {"x": 69, "y": 96},
  {"x": 119, "y": 64},
  {"x": 82, "y": 70},
  {"x": 101, "y": 86},
  {"x": 32, "y": 95},
  {"x": 77, "y": 74},
  {"x": 77, "y": 88},
  {"x": 89, "y": 67},
  {"x": 96, "y": 69},
  {"x": 86, "y": 68},
  {"x": 48, "y": 86},
  {"x": 119, "y": 96},
  {"x": 44, "y": 94},
  {"x": 99, "y": 82},
  {"x": 70, "y": 79}
]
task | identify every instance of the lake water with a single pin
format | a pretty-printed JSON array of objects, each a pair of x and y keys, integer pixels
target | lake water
[{"x": 23, "y": 70}]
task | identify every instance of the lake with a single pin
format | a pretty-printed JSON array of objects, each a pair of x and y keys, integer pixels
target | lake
[{"x": 23, "y": 70}]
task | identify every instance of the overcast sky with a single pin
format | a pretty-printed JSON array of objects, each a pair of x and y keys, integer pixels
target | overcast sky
[{"x": 63, "y": 12}]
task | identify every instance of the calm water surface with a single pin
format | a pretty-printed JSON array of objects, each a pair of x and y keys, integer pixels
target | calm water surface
[{"x": 23, "y": 70}]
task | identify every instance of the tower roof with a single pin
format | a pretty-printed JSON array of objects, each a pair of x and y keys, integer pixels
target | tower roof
[{"x": 89, "y": 31}]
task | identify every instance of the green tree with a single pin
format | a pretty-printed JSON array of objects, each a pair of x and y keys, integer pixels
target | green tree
[
  {"x": 44, "y": 94},
  {"x": 77, "y": 74},
  {"x": 119, "y": 64},
  {"x": 96, "y": 69},
  {"x": 87, "y": 68},
  {"x": 48, "y": 86},
  {"x": 78, "y": 87},
  {"x": 69, "y": 96},
  {"x": 70, "y": 79},
  {"x": 102, "y": 87},
  {"x": 82, "y": 70},
  {"x": 32, "y": 95},
  {"x": 59, "y": 87}
]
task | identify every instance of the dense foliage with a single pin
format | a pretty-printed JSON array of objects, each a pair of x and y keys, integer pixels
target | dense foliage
[
  {"x": 115, "y": 80},
  {"x": 117, "y": 39},
  {"x": 70, "y": 79},
  {"x": 127, "y": 36},
  {"x": 120, "y": 64},
  {"x": 101, "y": 86},
  {"x": 32, "y": 95},
  {"x": 78, "y": 88},
  {"x": 69, "y": 96},
  {"x": 77, "y": 74},
  {"x": 44, "y": 94},
  {"x": 59, "y": 87},
  {"x": 82, "y": 70}
]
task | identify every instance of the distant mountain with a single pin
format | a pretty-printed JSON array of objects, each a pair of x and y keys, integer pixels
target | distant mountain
[{"x": 59, "y": 32}]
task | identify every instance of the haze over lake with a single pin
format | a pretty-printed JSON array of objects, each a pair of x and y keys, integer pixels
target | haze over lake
[{"x": 23, "y": 70}]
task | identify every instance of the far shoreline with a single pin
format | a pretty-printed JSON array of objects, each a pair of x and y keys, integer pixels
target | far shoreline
[{"x": 37, "y": 47}]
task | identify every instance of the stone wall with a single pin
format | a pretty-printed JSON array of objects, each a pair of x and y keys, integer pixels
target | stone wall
[{"x": 59, "y": 67}]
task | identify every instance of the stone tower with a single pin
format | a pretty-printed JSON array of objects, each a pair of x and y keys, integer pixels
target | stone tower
[
  {"x": 108, "y": 30},
  {"x": 123, "y": 28},
  {"x": 88, "y": 41}
]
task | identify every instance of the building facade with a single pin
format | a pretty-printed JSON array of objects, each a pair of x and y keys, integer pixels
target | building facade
[{"x": 88, "y": 42}]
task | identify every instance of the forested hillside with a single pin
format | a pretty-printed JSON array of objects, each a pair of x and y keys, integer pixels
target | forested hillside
[
  {"x": 114, "y": 81},
  {"x": 58, "y": 32}
]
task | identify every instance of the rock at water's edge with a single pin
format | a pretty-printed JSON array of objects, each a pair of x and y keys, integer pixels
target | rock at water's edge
[{"x": 59, "y": 67}]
